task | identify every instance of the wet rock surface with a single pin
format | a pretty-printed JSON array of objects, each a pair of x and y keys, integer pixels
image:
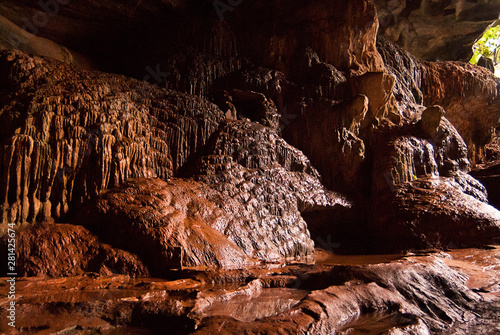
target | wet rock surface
[
  {"x": 171, "y": 225},
  {"x": 431, "y": 213},
  {"x": 264, "y": 137},
  {"x": 57, "y": 250},
  {"x": 420, "y": 293}
]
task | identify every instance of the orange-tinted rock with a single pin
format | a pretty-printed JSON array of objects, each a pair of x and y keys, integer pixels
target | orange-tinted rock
[
  {"x": 170, "y": 225},
  {"x": 243, "y": 196},
  {"x": 425, "y": 293},
  {"x": 233, "y": 224},
  {"x": 469, "y": 94},
  {"x": 407, "y": 73},
  {"x": 57, "y": 250},
  {"x": 396, "y": 297},
  {"x": 14, "y": 37},
  {"x": 68, "y": 134},
  {"x": 433, "y": 213},
  {"x": 246, "y": 205}
]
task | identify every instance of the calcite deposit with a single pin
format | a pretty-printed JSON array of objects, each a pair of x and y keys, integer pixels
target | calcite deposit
[
  {"x": 257, "y": 167},
  {"x": 58, "y": 250}
]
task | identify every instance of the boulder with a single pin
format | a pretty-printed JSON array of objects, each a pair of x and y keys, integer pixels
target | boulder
[
  {"x": 244, "y": 206},
  {"x": 170, "y": 225},
  {"x": 432, "y": 213},
  {"x": 276, "y": 186},
  {"x": 58, "y": 250}
]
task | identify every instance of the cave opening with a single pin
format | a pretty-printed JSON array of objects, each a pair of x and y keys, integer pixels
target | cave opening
[{"x": 486, "y": 49}]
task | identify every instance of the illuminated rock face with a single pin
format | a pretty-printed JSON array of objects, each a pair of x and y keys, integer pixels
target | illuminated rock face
[
  {"x": 470, "y": 95},
  {"x": 69, "y": 134},
  {"x": 262, "y": 132},
  {"x": 271, "y": 115}
]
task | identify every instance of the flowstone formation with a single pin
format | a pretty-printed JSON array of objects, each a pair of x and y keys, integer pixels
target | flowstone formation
[{"x": 263, "y": 141}]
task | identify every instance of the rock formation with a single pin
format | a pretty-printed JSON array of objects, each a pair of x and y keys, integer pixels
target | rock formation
[
  {"x": 436, "y": 30},
  {"x": 70, "y": 134},
  {"x": 434, "y": 213},
  {"x": 67, "y": 250},
  {"x": 418, "y": 294},
  {"x": 261, "y": 133},
  {"x": 468, "y": 94}
]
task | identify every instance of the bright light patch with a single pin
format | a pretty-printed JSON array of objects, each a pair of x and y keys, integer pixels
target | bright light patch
[{"x": 488, "y": 46}]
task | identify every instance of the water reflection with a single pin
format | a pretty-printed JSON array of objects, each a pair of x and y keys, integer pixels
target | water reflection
[
  {"x": 269, "y": 302},
  {"x": 324, "y": 257}
]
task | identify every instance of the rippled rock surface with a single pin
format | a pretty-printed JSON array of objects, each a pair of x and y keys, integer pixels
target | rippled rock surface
[
  {"x": 416, "y": 294},
  {"x": 57, "y": 250},
  {"x": 266, "y": 139},
  {"x": 434, "y": 213}
]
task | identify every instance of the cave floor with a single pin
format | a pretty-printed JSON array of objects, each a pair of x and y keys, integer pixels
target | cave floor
[{"x": 115, "y": 304}]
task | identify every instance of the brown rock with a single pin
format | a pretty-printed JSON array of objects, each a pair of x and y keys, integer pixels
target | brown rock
[
  {"x": 486, "y": 63},
  {"x": 57, "y": 250},
  {"x": 343, "y": 35},
  {"x": 430, "y": 147},
  {"x": 383, "y": 297},
  {"x": 276, "y": 185},
  {"x": 433, "y": 213},
  {"x": 401, "y": 160},
  {"x": 407, "y": 73},
  {"x": 431, "y": 120},
  {"x": 428, "y": 293},
  {"x": 68, "y": 134},
  {"x": 254, "y": 188},
  {"x": 436, "y": 30},
  {"x": 378, "y": 87},
  {"x": 170, "y": 225},
  {"x": 255, "y": 106},
  {"x": 327, "y": 132},
  {"x": 469, "y": 94},
  {"x": 489, "y": 175},
  {"x": 14, "y": 37}
]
